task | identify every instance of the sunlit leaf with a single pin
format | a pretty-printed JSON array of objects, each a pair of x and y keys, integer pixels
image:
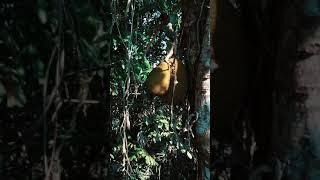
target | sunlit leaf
[{"x": 189, "y": 155}]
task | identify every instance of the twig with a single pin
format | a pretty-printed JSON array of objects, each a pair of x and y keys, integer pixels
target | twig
[
  {"x": 44, "y": 114},
  {"x": 198, "y": 21},
  {"x": 87, "y": 101}
]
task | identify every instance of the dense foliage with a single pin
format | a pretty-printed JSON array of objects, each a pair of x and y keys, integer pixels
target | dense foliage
[
  {"x": 61, "y": 61},
  {"x": 151, "y": 142},
  {"x": 52, "y": 89}
]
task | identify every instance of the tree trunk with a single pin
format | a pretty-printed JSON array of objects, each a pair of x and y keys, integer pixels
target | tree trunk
[
  {"x": 296, "y": 125},
  {"x": 231, "y": 84},
  {"x": 202, "y": 102},
  {"x": 269, "y": 70},
  {"x": 196, "y": 40}
]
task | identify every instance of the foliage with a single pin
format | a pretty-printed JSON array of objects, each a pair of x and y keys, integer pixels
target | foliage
[
  {"x": 148, "y": 143},
  {"x": 56, "y": 57},
  {"x": 52, "y": 76}
]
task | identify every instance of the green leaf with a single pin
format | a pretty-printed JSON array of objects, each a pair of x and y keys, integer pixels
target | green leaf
[
  {"x": 150, "y": 161},
  {"x": 133, "y": 158},
  {"x": 174, "y": 18}
]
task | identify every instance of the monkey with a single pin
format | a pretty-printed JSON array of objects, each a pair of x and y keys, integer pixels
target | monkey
[
  {"x": 161, "y": 81},
  {"x": 158, "y": 80}
]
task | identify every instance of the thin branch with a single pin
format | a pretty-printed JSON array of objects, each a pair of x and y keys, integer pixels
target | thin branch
[{"x": 87, "y": 101}]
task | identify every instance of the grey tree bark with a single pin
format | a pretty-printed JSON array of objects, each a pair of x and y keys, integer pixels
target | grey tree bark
[
  {"x": 296, "y": 124},
  {"x": 196, "y": 47}
]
